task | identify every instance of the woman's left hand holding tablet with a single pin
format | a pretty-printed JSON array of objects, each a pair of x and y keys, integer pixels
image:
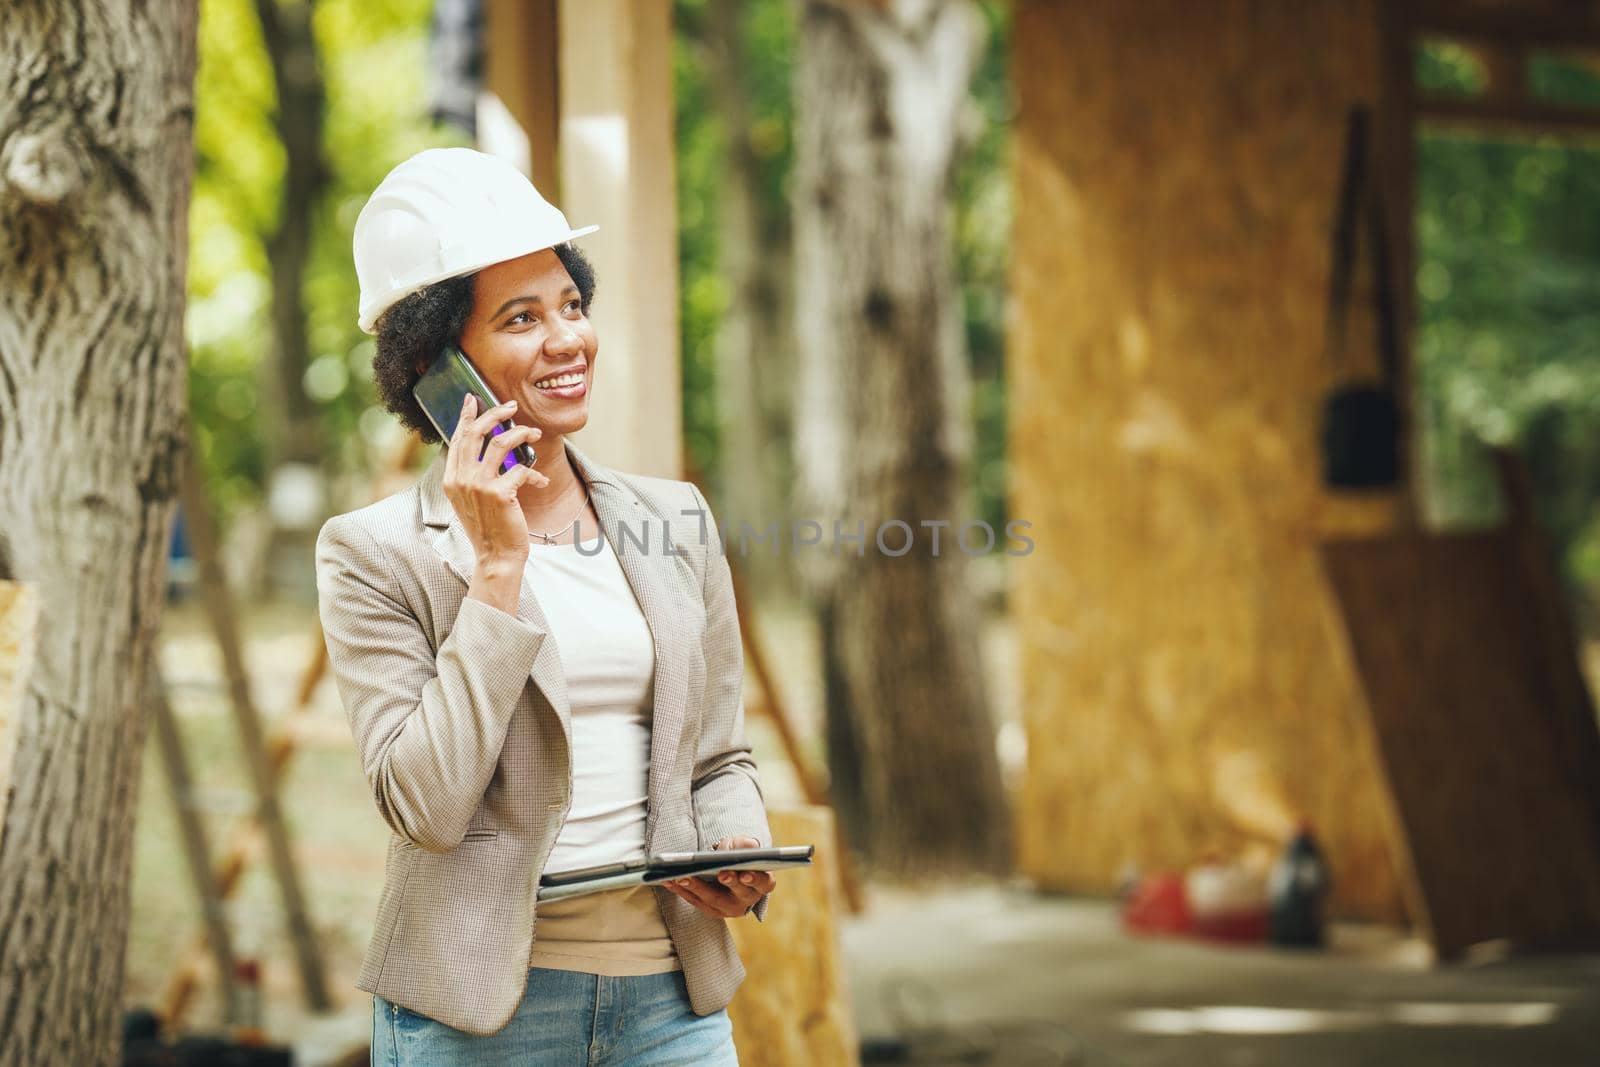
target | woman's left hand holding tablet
[{"x": 734, "y": 893}]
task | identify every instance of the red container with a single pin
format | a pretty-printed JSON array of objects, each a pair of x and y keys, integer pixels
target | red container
[{"x": 1158, "y": 905}]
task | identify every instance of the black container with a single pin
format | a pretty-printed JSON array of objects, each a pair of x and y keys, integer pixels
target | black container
[{"x": 1296, "y": 890}]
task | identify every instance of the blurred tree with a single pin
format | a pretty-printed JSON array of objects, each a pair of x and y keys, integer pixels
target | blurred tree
[
  {"x": 734, "y": 114},
  {"x": 754, "y": 339},
  {"x": 298, "y": 454},
  {"x": 96, "y": 124},
  {"x": 883, "y": 427},
  {"x": 298, "y": 117}
]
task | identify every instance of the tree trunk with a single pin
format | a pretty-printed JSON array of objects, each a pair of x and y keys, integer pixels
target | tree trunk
[
  {"x": 754, "y": 343},
  {"x": 882, "y": 430},
  {"x": 96, "y": 159},
  {"x": 296, "y": 429},
  {"x": 295, "y": 440}
]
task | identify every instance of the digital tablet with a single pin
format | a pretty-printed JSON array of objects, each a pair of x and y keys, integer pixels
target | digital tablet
[{"x": 666, "y": 866}]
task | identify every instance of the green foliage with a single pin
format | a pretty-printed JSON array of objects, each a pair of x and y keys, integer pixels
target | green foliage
[
  {"x": 372, "y": 59},
  {"x": 983, "y": 249},
  {"x": 238, "y": 166},
  {"x": 1447, "y": 67},
  {"x": 767, "y": 31},
  {"x": 702, "y": 150},
  {"x": 1508, "y": 299}
]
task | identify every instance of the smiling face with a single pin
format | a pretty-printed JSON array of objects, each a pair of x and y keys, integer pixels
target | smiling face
[{"x": 527, "y": 329}]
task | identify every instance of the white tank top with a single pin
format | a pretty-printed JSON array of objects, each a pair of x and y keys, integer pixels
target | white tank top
[{"x": 608, "y": 656}]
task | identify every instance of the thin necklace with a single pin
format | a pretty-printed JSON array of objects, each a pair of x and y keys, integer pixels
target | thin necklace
[{"x": 549, "y": 539}]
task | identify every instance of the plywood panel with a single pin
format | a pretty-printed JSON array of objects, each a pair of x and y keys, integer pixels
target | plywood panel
[
  {"x": 1498, "y": 793},
  {"x": 1185, "y": 680}
]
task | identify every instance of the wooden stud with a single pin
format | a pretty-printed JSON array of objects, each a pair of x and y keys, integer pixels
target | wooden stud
[
  {"x": 218, "y": 605},
  {"x": 1524, "y": 118},
  {"x": 523, "y": 72},
  {"x": 1558, "y": 24},
  {"x": 617, "y": 171},
  {"x": 191, "y": 831},
  {"x": 245, "y": 842}
]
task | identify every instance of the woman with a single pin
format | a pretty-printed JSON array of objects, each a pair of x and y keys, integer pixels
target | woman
[{"x": 542, "y": 668}]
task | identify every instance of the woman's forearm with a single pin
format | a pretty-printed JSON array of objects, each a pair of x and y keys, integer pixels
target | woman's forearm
[
  {"x": 497, "y": 581},
  {"x": 428, "y": 723}
]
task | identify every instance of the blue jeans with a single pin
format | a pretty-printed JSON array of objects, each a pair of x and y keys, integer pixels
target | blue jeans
[{"x": 567, "y": 1019}]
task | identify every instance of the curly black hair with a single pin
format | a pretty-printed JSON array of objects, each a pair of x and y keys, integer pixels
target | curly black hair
[{"x": 419, "y": 326}]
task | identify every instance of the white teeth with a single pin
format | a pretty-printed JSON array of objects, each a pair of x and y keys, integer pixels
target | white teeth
[{"x": 557, "y": 383}]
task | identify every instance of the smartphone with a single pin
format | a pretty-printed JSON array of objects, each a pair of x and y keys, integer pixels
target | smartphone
[{"x": 443, "y": 389}]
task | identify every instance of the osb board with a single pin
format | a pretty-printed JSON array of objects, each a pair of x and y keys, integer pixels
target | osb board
[
  {"x": 19, "y": 613},
  {"x": 1497, "y": 799},
  {"x": 793, "y": 1009},
  {"x": 1184, "y": 678}
]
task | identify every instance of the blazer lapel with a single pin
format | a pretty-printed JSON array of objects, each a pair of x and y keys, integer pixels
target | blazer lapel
[
  {"x": 449, "y": 538},
  {"x": 648, "y": 573}
]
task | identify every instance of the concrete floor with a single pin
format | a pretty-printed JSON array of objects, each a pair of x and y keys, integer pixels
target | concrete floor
[
  {"x": 1019, "y": 979},
  {"x": 1006, "y": 977}
]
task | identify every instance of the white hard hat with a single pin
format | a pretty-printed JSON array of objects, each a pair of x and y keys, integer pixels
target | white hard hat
[{"x": 443, "y": 213}]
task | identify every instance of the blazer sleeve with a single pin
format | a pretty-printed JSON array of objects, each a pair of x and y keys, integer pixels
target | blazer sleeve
[
  {"x": 728, "y": 801},
  {"x": 428, "y": 727}
]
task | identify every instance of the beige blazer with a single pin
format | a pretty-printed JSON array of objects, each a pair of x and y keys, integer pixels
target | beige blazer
[{"x": 462, "y": 724}]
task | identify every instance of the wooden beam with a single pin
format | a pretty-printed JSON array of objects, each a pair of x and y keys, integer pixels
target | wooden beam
[
  {"x": 192, "y": 833},
  {"x": 1507, "y": 65},
  {"x": 1523, "y": 117},
  {"x": 1396, "y": 150},
  {"x": 394, "y": 473},
  {"x": 1559, "y": 26},
  {"x": 217, "y": 602}
]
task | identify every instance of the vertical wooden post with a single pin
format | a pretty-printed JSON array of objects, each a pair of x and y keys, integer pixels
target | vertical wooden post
[
  {"x": 617, "y": 170},
  {"x": 1396, "y": 161},
  {"x": 523, "y": 71}
]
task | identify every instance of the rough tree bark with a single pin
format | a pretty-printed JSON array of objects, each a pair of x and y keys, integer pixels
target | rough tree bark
[
  {"x": 96, "y": 159},
  {"x": 882, "y": 430}
]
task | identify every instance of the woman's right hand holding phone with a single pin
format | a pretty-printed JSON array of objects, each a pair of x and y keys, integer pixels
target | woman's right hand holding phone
[{"x": 484, "y": 496}]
